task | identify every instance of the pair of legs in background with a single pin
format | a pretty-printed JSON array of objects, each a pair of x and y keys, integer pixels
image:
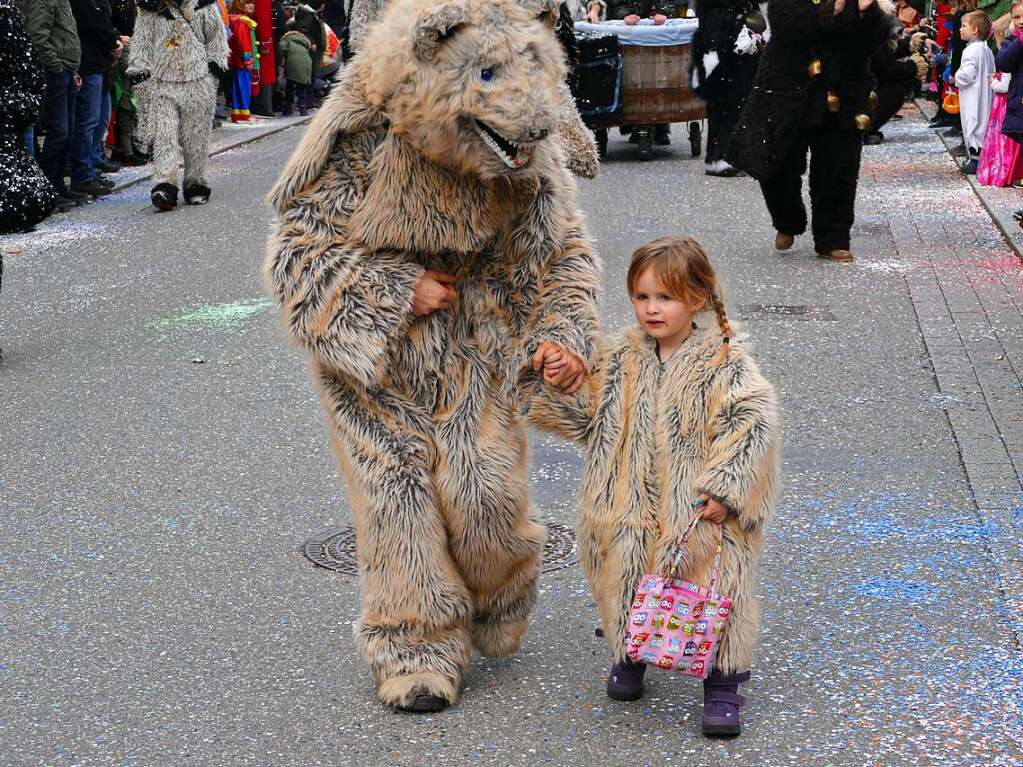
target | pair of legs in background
[
  {"x": 296, "y": 91},
  {"x": 180, "y": 116},
  {"x": 448, "y": 547},
  {"x": 834, "y": 170}
]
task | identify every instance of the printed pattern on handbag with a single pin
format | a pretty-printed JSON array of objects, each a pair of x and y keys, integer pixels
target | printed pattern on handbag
[{"x": 675, "y": 624}]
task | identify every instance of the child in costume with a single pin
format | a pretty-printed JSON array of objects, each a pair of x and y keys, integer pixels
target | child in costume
[
  {"x": 241, "y": 60},
  {"x": 675, "y": 410},
  {"x": 973, "y": 79},
  {"x": 1001, "y": 162},
  {"x": 295, "y": 55},
  {"x": 177, "y": 54}
]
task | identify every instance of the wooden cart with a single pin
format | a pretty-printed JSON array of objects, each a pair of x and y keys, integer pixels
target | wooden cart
[{"x": 655, "y": 89}]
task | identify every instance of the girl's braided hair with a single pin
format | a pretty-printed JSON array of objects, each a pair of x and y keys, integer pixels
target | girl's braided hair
[{"x": 683, "y": 268}]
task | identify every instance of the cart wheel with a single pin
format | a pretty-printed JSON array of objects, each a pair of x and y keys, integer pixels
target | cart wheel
[
  {"x": 644, "y": 140},
  {"x": 600, "y": 134},
  {"x": 696, "y": 138}
]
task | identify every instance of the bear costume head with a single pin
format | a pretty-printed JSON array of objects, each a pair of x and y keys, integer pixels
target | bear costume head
[
  {"x": 473, "y": 85},
  {"x": 470, "y": 85}
]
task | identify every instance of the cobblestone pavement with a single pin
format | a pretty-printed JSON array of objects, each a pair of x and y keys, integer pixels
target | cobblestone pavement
[{"x": 163, "y": 457}]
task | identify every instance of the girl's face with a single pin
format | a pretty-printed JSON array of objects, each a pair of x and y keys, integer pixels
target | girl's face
[
  {"x": 1017, "y": 18},
  {"x": 661, "y": 315}
]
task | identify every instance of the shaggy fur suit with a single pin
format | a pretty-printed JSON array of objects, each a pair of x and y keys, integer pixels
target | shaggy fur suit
[
  {"x": 392, "y": 178},
  {"x": 178, "y": 91},
  {"x": 656, "y": 436}
]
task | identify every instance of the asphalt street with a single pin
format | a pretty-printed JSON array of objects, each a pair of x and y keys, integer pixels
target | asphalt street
[{"x": 163, "y": 459}]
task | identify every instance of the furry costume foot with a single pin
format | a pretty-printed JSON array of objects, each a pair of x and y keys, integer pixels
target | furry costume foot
[
  {"x": 197, "y": 194},
  {"x": 836, "y": 255},
  {"x": 414, "y": 692},
  {"x": 783, "y": 241},
  {"x": 164, "y": 196},
  {"x": 498, "y": 640}
]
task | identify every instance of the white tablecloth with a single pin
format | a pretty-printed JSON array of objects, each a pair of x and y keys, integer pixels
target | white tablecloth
[{"x": 674, "y": 32}]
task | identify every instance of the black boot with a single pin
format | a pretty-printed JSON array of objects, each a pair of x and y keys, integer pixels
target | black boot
[
  {"x": 164, "y": 196},
  {"x": 625, "y": 680},
  {"x": 197, "y": 194}
]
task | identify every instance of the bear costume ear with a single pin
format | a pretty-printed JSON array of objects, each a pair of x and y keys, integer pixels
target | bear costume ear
[
  {"x": 434, "y": 26},
  {"x": 545, "y": 10}
]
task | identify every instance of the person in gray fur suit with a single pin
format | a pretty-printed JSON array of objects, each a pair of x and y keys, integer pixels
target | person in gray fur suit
[{"x": 178, "y": 55}]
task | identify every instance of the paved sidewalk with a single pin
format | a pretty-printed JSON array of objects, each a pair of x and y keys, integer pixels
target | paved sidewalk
[
  {"x": 966, "y": 284},
  {"x": 227, "y": 136}
]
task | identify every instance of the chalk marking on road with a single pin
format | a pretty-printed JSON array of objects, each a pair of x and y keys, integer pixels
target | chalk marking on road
[{"x": 224, "y": 317}]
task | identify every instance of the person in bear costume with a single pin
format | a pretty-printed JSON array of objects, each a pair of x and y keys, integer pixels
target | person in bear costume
[
  {"x": 428, "y": 253},
  {"x": 813, "y": 91},
  {"x": 178, "y": 55}
]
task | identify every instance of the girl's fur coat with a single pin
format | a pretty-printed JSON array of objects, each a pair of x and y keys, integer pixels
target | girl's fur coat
[{"x": 657, "y": 436}]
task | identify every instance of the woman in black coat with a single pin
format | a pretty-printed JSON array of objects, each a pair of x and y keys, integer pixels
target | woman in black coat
[
  {"x": 814, "y": 91},
  {"x": 26, "y": 196}
]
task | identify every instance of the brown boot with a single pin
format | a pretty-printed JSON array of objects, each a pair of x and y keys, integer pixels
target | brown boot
[
  {"x": 783, "y": 241},
  {"x": 836, "y": 255}
]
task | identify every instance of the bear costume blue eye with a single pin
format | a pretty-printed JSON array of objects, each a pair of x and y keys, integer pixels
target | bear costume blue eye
[{"x": 486, "y": 75}]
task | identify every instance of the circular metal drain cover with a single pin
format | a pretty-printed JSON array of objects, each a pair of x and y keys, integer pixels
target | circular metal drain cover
[{"x": 335, "y": 549}]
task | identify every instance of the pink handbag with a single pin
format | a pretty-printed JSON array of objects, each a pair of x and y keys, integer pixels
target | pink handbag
[{"x": 674, "y": 624}]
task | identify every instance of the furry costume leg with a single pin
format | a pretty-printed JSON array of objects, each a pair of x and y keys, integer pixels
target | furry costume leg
[
  {"x": 413, "y": 630},
  {"x": 834, "y": 170},
  {"x": 783, "y": 192},
  {"x": 162, "y": 110},
  {"x": 493, "y": 534},
  {"x": 196, "y": 103}
]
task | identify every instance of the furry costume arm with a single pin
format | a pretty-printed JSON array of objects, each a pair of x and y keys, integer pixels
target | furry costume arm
[
  {"x": 341, "y": 302},
  {"x": 566, "y": 312},
  {"x": 743, "y": 465},
  {"x": 216, "y": 39},
  {"x": 140, "y": 53}
]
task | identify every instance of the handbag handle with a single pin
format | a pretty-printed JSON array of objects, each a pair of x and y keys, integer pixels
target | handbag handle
[{"x": 683, "y": 540}]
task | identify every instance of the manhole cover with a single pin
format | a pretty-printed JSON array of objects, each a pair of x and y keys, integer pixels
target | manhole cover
[
  {"x": 335, "y": 549},
  {"x": 787, "y": 312}
]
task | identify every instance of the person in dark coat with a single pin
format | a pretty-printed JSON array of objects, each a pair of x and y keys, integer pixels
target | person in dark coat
[
  {"x": 26, "y": 195},
  {"x": 1010, "y": 59},
  {"x": 723, "y": 76},
  {"x": 101, "y": 47},
  {"x": 813, "y": 91}
]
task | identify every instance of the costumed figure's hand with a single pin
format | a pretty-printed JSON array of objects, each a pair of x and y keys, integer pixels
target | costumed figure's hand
[
  {"x": 865, "y": 4},
  {"x": 137, "y": 76},
  {"x": 839, "y": 7},
  {"x": 660, "y": 19},
  {"x": 561, "y": 368},
  {"x": 433, "y": 291},
  {"x": 632, "y": 20},
  {"x": 713, "y": 511}
]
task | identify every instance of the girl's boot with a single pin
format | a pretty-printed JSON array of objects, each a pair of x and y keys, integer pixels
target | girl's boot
[
  {"x": 721, "y": 703},
  {"x": 625, "y": 680}
]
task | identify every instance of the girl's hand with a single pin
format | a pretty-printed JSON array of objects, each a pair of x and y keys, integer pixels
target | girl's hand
[
  {"x": 712, "y": 510},
  {"x": 433, "y": 291},
  {"x": 632, "y": 20},
  {"x": 561, "y": 368}
]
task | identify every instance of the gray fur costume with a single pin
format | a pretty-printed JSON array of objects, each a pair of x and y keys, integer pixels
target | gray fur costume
[{"x": 178, "y": 47}]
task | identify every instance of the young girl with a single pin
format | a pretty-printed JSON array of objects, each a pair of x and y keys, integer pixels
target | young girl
[
  {"x": 241, "y": 61},
  {"x": 1001, "y": 162},
  {"x": 675, "y": 410}
]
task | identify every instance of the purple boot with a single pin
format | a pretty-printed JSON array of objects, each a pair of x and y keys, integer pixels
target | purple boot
[
  {"x": 625, "y": 680},
  {"x": 721, "y": 703}
]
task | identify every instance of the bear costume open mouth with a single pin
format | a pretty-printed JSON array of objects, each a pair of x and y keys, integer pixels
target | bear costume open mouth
[{"x": 513, "y": 155}]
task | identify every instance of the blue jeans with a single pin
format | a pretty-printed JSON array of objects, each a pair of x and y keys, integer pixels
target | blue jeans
[
  {"x": 60, "y": 125},
  {"x": 88, "y": 106},
  {"x": 102, "y": 128}
]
